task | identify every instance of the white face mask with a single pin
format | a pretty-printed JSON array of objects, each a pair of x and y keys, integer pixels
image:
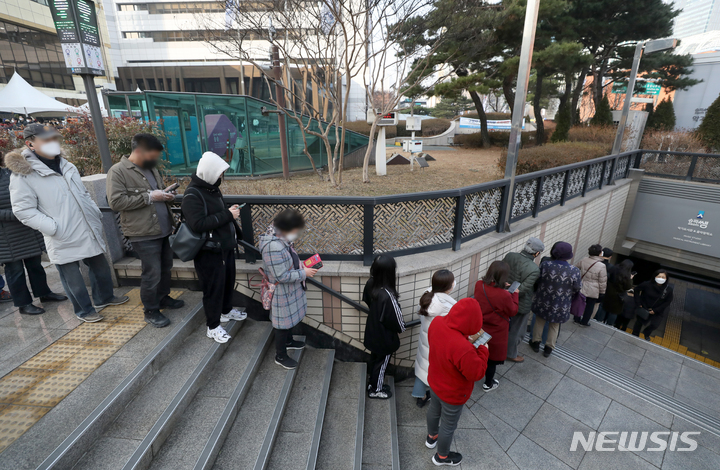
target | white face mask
[
  {"x": 660, "y": 280},
  {"x": 454, "y": 285},
  {"x": 291, "y": 237},
  {"x": 50, "y": 149}
]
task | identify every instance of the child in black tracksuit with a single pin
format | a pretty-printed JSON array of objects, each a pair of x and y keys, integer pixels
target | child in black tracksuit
[{"x": 384, "y": 322}]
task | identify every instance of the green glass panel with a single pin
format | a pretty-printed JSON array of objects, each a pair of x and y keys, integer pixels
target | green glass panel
[
  {"x": 177, "y": 117},
  {"x": 264, "y": 139},
  {"x": 225, "y": 130}
]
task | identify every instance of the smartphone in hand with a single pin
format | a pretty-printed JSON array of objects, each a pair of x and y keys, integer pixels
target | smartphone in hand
[
  {"x": 313, "y": 262},
  {"x": 172, "y": 187},
  {"x": 514, "y": 287},
  {"x": 483, "y": 339}
]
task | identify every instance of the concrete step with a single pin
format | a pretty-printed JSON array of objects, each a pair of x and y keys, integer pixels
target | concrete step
[
  {"x": 184, "y": 446},
  {"x": 124, "y": 436},
  {"x": 67, "y": 432},
  {"x": 250, "y": 439},
  {"x": 298, "y": 438},
  {"x": 341, "y": 443},
  {"x": 380, "y": 442}
]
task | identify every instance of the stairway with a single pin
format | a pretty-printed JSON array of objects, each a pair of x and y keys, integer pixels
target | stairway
[{"x": 196, "y": 404}]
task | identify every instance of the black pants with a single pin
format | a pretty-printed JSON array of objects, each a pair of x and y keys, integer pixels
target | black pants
[
  {"x": 649, "y": 325},
  {"x": 156, "y": 257},
  {"x": 490, "y": 372},
  {"x": 378, "y": 365},
  {"x": 15, "y": 273},
  {"x": 216, "y": 272},
  {"x": 282, "y": 338},
  {"x": 587, "y": 314},
  {"x": 622, "y": 322}
]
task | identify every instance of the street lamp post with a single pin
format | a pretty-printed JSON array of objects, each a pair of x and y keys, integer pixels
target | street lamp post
[
  {"x": 526, "y": 52},
  {"x": 649, "y": 47}
]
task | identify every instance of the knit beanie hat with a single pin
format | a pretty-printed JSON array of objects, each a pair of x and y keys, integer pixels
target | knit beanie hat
[{"x": 562, "y": 251}]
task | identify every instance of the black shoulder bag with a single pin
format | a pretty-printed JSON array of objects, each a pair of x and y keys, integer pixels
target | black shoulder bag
[{"x": 185, "y": 243}]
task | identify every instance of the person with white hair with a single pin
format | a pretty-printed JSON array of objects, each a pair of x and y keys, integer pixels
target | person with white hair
[{"x": 205, "y": 211}]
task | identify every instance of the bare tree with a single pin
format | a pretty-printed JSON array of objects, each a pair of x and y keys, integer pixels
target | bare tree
[{"x": 332, "y": 46}]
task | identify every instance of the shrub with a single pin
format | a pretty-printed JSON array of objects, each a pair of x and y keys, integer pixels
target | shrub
[
  {"x": 603, "y": 114},
  {"x": 490, "y": 116},
  {"x": 362, "y": 127},
  {"x": 709, "y": 129},
  {"x": 674, "y": 141},
  {"x": 553, "y": 155},
  {"x": 80, "y": 143},
  {"x": 10, "y": 140},
  {"x": 562, "y": 121},
  {"x": 600, "y": 135},
  {"x": 663, "y": 117},
  {"x": 431, "y": 127},
  {"x": 497, "y": 139}
]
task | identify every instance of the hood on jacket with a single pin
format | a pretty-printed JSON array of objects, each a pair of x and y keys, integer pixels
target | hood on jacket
[
  {"x": 465, "y": 317},
  {"x": 266, "y": 238},
  {"x": 211, "y": 167},
  {"x": 17, "y": 161}
]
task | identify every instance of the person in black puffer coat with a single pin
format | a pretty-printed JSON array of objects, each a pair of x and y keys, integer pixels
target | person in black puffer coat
[
  {"x": 21, "y": 248},
  {"x": 205, "y": 211},
  {"x": 655, "y": 296}
]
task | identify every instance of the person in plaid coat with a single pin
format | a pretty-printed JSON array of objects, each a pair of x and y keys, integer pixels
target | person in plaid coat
[{"x": 283, "y": 268}]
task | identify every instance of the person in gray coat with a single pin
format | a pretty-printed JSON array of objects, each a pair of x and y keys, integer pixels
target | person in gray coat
[
  {"x": 48, "y": 195},
  {"x": 523, "y": 270},
  {"x": 21, "y": 249}
]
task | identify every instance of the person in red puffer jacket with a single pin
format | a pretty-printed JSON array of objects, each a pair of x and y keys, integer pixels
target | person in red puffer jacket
[{"x": 455, "y": 366}]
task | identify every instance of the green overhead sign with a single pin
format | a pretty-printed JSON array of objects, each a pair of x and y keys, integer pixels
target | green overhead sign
[
  {"x": 645, "y": 88},
  {"x": 76, "y": 26}
]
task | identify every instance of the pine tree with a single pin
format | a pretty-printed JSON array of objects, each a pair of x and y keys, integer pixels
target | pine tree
[
  {"x": 562, "y": 119},
  {"x": 603, "y": 114},
  {"x": 663, "y": 117},
  {"x": 709, "y": 129}
]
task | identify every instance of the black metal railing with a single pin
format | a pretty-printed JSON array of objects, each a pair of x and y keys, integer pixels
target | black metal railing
[{"x": 701, "y": 167}]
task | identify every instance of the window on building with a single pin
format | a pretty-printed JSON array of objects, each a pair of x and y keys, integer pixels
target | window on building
[
  {"x": 36, "y": 55},
  {"x": 174, "y": 8},
  {"x": 41, "y": 2},
  {"x": 191, "y": 35}
]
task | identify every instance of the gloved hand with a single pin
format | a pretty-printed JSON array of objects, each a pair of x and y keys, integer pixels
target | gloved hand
[{"x": 161, "y": 196}]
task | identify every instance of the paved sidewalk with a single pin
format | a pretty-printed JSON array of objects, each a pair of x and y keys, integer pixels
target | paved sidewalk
[{"x": 529, "y": 421}]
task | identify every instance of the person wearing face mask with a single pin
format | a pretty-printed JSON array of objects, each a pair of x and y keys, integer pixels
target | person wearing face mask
[
  {"x": 205, "y": 211},
  {"x": 436, "y": 302},
  {"x": 498, "y": 307},
  {"x": 48, "y": 195},
  {"x": 524, "y": 270},
  {"x": 283, "y": 268},
  {"x": 135, "y": 190},
  {"x": 655, "y": 296}
]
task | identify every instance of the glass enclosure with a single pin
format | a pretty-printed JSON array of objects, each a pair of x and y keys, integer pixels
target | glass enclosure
[{"x": 232, "y": 126}]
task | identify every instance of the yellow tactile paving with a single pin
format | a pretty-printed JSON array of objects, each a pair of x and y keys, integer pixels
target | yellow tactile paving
[{"x": 34, "y": 388}]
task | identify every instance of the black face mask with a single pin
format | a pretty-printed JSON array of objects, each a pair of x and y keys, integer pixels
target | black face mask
[{"x": 149, "y": 164}]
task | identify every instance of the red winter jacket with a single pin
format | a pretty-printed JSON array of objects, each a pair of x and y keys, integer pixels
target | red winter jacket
[
  {"x": 498, "y": 307},
  {"x": 455, "y": 364}
]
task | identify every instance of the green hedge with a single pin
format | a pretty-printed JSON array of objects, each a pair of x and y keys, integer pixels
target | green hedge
[{"x": 497, "y": 139}]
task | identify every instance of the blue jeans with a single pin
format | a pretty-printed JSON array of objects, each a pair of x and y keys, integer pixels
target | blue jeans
[
  {"x": 74, "y": 284},
  {"x": 419, "y": 389},
  {"x": 545, "y": 329}
]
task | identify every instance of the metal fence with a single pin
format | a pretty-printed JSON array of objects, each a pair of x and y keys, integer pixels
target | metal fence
[{"x": 358, "y": 228}]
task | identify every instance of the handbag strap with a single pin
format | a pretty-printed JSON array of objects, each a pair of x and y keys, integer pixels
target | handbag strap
[
  {"x": 199, "y": 196},
  {"x": 662, "y": 296},
  {"x": 588, "y": 270},
  {"x": 488, "y": 299}
]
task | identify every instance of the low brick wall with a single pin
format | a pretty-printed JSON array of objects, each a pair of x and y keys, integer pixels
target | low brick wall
[{"x": 581, "y": 222}]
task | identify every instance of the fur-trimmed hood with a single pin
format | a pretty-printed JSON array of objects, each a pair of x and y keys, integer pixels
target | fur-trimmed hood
[{"x": 17, "y": 161}]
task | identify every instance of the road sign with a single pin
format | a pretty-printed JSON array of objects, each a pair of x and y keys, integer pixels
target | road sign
[
  {"x": 76, "y": 26},
  {"x": 644, "y": 88}
]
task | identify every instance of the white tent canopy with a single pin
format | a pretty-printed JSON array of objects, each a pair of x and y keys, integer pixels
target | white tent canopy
[{"x": 20, "y": 97}]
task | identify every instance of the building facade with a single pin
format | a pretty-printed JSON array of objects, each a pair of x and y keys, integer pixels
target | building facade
[
  {"x": 697, "y": 16},
  {"x": 30, "y": 46}
]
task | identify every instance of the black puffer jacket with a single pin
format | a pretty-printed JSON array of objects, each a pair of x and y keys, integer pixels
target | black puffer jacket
[
  {"x": 16, "y": 240},
  {"x": 218, "y": 221}
]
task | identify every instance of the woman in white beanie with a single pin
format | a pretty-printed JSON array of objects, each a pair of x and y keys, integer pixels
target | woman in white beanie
[{"x": 205, "y": 211}]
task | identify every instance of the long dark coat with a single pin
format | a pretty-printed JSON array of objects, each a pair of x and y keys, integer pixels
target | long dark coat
[
  {"x": 558, "y": 282},
  {"x": 17, "y": 241}
]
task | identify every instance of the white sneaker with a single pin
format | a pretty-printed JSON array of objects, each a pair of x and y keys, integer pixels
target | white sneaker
[
  {"x": 218, "y": 334},
  {"x": 234, "y": 314}
]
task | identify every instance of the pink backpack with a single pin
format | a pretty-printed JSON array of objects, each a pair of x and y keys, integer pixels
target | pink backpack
[{"x": 267, "y": 290}]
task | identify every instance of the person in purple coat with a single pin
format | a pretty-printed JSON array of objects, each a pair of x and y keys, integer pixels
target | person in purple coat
[{"x": 558, "y": 283}]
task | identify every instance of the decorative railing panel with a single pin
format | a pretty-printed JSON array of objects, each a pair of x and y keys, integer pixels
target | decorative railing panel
[
  {"x": 621, "y": 167},
  {"x": 481, "y": 211},
  {"x": 552, "y": 189},
  {"x": 577, "y": 181},
  {"x": 412, "y": 224},
  {"x": 525, "y": 195},
  {"x": 329, "y": 228},
  {"x": 595, "y": 175}
]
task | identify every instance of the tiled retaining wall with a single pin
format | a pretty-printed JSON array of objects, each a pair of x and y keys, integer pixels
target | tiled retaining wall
[{"x": 581, "y": 222}]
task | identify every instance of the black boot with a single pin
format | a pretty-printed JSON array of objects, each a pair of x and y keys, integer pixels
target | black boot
[
  {"x": 548, "y": 350},
  {"x": 156, "y": 319},
  {"x": 169, "y": 302},
  {"x": 53, "y": 297},
  {"x": 535, "y": 346}
]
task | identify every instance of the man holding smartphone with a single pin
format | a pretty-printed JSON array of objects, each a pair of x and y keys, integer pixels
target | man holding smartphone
[{"x": 135, "y": 190}]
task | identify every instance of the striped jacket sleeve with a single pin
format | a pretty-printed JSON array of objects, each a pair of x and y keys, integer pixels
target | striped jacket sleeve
[
  {"x": 278, "y": 268},
  {"x": 392, "y": 316}
]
